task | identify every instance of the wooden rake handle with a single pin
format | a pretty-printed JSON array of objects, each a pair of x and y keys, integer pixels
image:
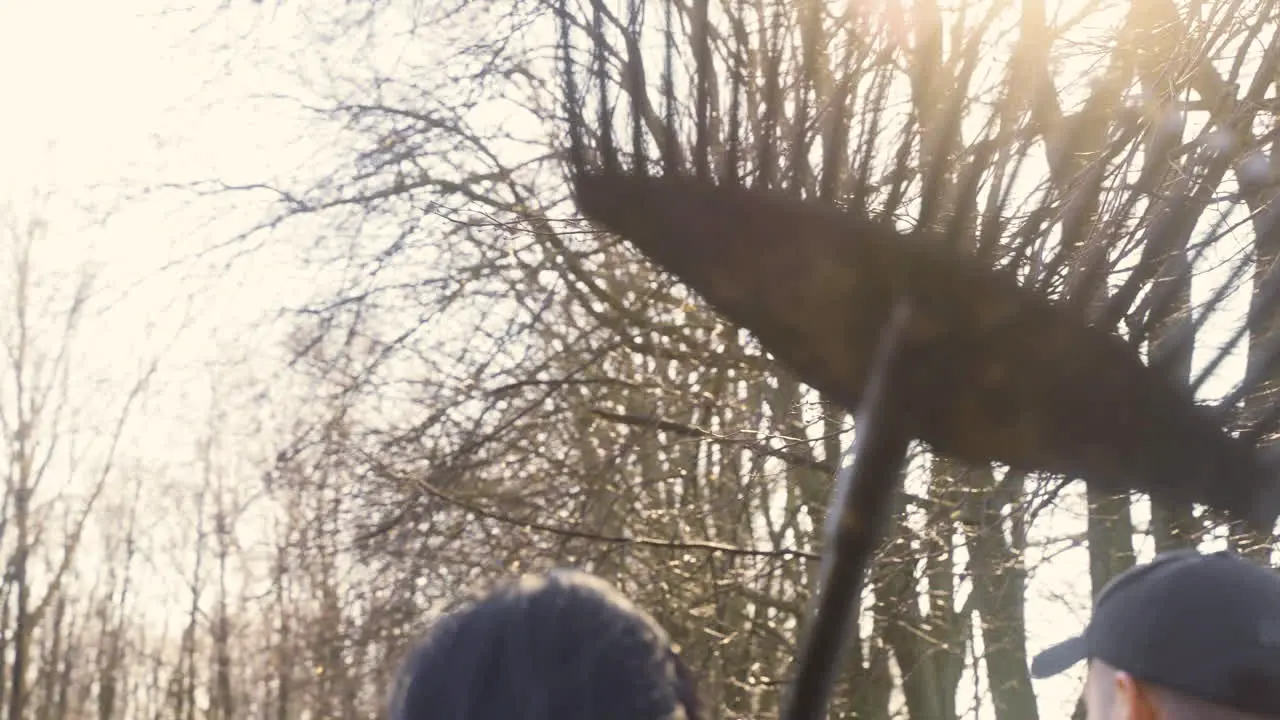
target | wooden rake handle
[{"x": 866, "y": 486}]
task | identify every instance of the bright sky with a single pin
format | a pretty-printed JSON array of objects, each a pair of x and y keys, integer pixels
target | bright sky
[
  {"x": 108, "y": 103},
  {"x": 110, "y": 97}
]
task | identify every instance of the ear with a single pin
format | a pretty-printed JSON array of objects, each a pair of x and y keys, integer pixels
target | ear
[{"x": 1133, "y": 702}]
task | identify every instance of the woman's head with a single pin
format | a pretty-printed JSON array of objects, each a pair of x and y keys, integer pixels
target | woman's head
[{"x": 563, "y": 645}]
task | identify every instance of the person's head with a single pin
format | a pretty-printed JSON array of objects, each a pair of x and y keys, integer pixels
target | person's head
[
  {"x": 1188, "y": 636},
  {"x": 562, "y": 646},
  {"x": 1112, "y": 693}
]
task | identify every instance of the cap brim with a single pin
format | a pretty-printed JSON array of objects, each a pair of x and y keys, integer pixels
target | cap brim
[{"x": 1060, "y": 657}]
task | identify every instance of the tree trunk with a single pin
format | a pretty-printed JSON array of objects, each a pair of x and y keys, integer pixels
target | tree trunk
[{"x": 999, "y": 584}]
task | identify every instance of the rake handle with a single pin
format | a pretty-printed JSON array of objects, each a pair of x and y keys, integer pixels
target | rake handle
[{"x": 865, "y": 489}]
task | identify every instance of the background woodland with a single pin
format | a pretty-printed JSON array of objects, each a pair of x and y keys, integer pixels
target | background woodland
[{"x": 485, "y": 386}]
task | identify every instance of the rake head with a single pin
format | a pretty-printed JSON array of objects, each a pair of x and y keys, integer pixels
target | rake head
[{"x": 996, "y": 372}]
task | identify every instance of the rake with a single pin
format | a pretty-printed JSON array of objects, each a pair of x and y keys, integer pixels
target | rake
[{"x": 920, "y": 338}]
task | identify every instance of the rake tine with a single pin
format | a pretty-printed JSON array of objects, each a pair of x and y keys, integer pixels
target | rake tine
[
  {"x": 833, "y": 153},
  {"x": 735, "y": 69},
  {"x": 865, "y": 489},
  {"x": 1269, "y": 348},
  {"x": 1157, "y": 302},
  {"x": 702, "y": 64},
  {"x": 577, "y": 146},
  {"x": 1265, "y": 297},
  {"x": 669, "y": 162},
  {"x": 1263, "y": 427},
  {"x": 639, "y": 91},
  {"x": 1159, "y": 306},
  {"x": 967, "y": 197},
  {"x": 767, "y": 150},
  {"x": 809, "y": 27},
  {"x": 609, "y": 153}
]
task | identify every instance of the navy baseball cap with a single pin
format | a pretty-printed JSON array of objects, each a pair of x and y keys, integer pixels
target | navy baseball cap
[{"x": 1205, "y": 625}]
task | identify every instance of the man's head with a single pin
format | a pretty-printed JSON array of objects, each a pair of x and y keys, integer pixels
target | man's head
[
  {"x": 563, "y": 646},
  {"x": 1115, "y": 694},
  {"x": 1184, "y": 636}
]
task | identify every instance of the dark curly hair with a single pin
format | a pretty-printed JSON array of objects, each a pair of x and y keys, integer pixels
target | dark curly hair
[{"x": 561, "y": 646}]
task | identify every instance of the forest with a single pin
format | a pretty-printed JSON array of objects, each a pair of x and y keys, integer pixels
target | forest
[{"x": 444, "y": 376}]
